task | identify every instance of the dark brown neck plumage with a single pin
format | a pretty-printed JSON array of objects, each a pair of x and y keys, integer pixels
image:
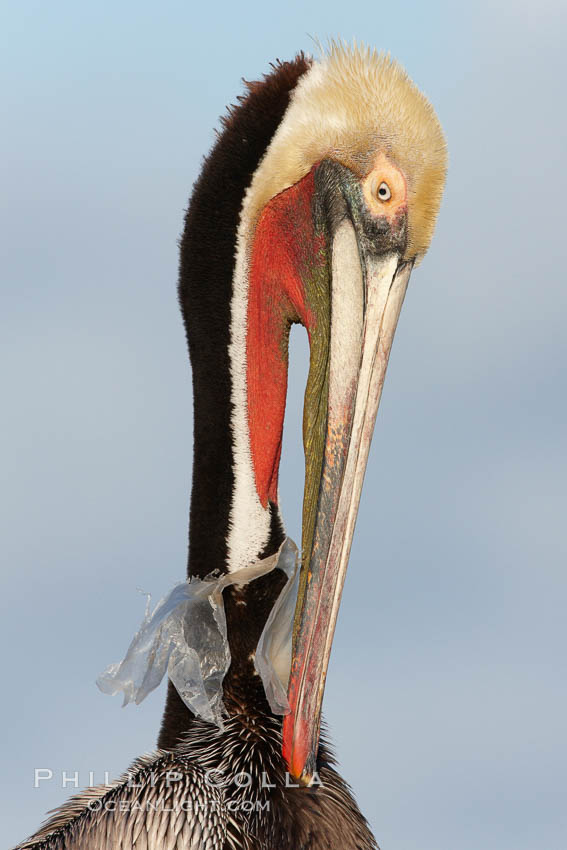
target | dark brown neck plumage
[{"x": 205, "y": 292}]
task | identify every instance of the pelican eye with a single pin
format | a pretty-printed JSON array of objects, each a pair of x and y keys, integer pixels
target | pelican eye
[{"x": 384, "y": 193}]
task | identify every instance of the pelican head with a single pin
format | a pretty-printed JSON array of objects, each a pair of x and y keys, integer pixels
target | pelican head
[{"x": 340, "y": 210}]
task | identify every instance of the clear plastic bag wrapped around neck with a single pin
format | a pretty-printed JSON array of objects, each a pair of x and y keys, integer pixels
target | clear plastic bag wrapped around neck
[{"x": 186, "y": 637}]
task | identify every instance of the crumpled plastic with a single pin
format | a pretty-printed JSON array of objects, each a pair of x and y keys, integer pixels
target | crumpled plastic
[
  {"x": 186, "y": 637},
  {"x": 273, "y": 653}
]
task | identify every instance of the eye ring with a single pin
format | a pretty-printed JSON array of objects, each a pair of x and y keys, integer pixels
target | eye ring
[{"x": 383, "y": 193}]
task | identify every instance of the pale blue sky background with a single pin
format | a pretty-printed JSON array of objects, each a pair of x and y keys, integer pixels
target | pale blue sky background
[{"x": 447, "y": 692}]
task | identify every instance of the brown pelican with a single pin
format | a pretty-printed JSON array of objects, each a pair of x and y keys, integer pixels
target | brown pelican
[{"x": 316, "y": 201}]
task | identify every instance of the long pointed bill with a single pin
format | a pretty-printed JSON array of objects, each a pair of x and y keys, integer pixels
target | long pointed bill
[{"x": 365, "y": 309}]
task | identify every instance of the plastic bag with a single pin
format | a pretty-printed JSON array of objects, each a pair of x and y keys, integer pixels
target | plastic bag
[
  {"x": 273, "y": 653},
  {"x": 186, "y": 637}
]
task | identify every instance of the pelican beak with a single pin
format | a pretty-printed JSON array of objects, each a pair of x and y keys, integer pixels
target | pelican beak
[{"x": 366, "y": 295}]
